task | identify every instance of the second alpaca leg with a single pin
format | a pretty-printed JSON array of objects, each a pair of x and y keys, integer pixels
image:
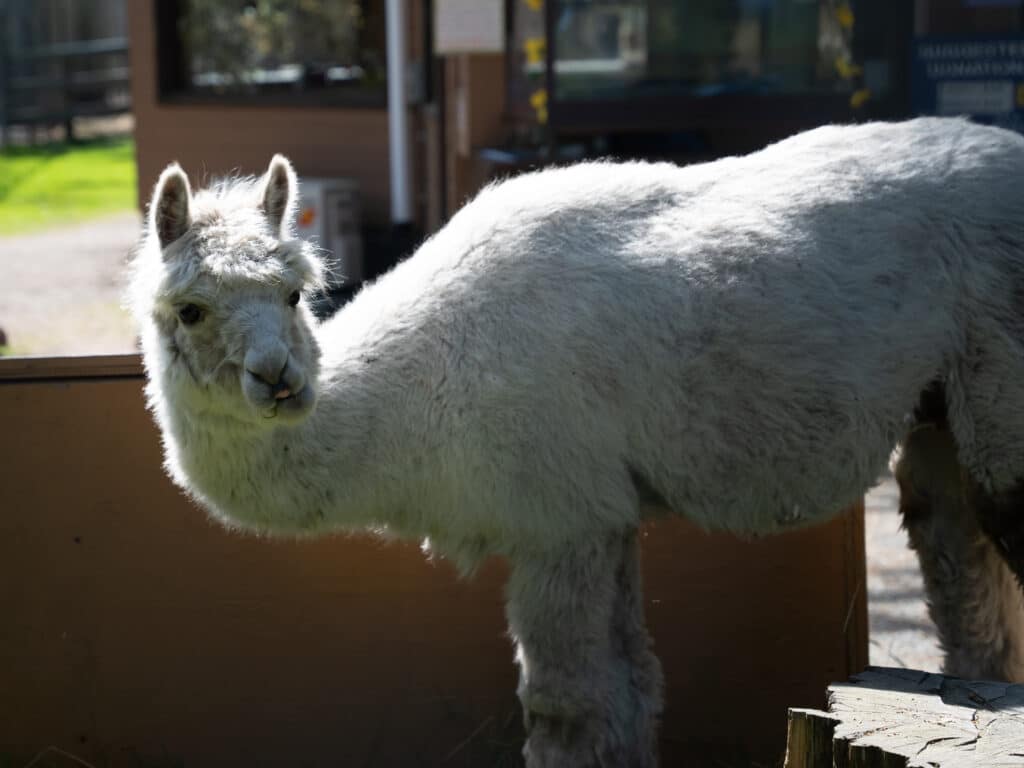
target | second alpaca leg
[
  {"x": 589, "y": 685},
  {"x": 972, "y": 595},
  {"x": 637, "y": 692},
  {"x": 985, "y": 405},
  {"x": 1001, "y": 515}
]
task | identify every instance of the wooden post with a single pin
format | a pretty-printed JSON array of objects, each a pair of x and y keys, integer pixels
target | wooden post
[
  {"x": 901, "y": 718},
  {"x": 809, "y": 738}
]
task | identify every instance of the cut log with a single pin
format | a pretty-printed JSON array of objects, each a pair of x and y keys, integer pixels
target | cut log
[{"x": 901, "y": 718}]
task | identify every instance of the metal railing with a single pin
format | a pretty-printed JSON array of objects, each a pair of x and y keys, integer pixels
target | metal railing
[{"x": 48, "y": 81}]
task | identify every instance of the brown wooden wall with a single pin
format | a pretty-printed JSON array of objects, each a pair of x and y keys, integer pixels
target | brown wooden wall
[
  {"x": 475, "y": 103},
  {"x": 211, "y": 139},
  {"x": 136, "y": 633}
]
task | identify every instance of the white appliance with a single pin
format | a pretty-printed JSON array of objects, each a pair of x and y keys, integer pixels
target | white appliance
[{"x": 329, "y": 216}]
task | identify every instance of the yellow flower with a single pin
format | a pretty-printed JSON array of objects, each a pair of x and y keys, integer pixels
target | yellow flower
[
  {"x": 859, "y": 98},
  {"x": 844, "y": 15},
  {"x": 846, "y": 68},
  {"x": 539, "y": 102},
  {"x": 535, "y": 47}
]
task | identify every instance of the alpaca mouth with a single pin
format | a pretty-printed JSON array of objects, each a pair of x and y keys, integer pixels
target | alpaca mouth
[
  {"x": 271, "y": 411},
  {"x": 279, "y": 401},
  {"x": 286, "y": 403}
]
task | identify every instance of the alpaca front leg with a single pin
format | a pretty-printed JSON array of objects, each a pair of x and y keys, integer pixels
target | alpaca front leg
[
  {"x": 589, "y": 685},
  {"x": 1001, "y": 516},
  {"x": 972, "y": 596},
  {"x": 638, "y": 693},
  {"x": 560, "y": 607}
]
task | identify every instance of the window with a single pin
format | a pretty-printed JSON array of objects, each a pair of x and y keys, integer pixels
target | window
[
  {"x": 749, "y": 70},
  {"x": 701, "y": 47},
  {"x": 305, "y": 52}
]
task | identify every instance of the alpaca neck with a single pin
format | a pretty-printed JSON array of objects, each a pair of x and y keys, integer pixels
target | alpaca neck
[{"x": 299, "y": 479}]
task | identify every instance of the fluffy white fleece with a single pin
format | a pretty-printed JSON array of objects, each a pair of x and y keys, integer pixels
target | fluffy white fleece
[{"x": 740, "y": 342}]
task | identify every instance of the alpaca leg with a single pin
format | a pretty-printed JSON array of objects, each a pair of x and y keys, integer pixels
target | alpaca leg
[
  {"x": 589, "y": 686},
  {"x": 986, "y": 415},
  {"x": 972, "y": 596},
  {"x": 1001, "y": 516},
  {"x": 638, "y": 680}
]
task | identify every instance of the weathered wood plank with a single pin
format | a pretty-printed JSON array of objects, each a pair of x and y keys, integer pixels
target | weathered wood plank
[
  {"x": 809, "y": 738},
  {"x": 896, "y": 718},
  {"x": 69, "y": 367}
]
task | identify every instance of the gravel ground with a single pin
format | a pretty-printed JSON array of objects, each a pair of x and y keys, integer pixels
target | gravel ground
[
  {"x": 901, "y": 632},
  {"x": 61, "y": 289}
]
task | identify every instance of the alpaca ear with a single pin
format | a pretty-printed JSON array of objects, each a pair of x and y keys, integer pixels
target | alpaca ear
[
  {"x": 171, "y": 206},
  {"x": 279, "y": 193}
]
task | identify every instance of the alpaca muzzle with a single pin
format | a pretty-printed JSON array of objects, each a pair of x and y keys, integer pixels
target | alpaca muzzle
[
  {"x": 269, "y": 370},
  {"x": 286, "y": 386},
  {"x": 277, "y": 388}
]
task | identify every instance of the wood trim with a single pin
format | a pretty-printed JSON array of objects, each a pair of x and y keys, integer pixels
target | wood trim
[
  {"x": 856, "y": 622},
  {"x": 82, "y": 367}
]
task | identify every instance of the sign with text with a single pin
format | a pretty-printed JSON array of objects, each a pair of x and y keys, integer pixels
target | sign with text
[{"x": 979, "y": 78}]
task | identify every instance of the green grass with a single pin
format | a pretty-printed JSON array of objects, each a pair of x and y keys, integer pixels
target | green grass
[{"x": 63, "y": 183}]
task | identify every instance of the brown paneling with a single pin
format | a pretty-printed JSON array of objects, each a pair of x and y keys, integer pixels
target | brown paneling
[
  {"x": 484, "y": 76},
  {"x": 213, "y": 140},
  {"x": 475, "y": 110},
  {"x": 137, "y": 633},
  {"x": 433, "y": 155},
  {"x": 134, "y": 629}
]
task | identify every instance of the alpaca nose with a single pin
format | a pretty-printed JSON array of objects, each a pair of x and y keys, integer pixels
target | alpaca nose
[{"x": 268, "y": 366}]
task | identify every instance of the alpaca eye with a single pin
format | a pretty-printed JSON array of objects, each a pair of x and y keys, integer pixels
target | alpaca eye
[
  {"x": 293, "y": 300},
  {"x": 190, "y": 314}
]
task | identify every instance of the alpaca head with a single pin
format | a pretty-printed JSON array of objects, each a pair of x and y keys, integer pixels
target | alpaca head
[{"x": 218, "y": 290}]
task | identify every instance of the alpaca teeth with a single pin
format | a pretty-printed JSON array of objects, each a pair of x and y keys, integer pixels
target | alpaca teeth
[{"x": 282, "y": 394}]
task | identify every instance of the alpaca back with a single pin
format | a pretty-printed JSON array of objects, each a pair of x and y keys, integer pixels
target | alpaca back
[{"x": 744, "y": 337}]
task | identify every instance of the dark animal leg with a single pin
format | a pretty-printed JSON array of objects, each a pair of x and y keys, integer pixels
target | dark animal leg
[
  {"x": 1001, "y": 515},
  {"x": 638, "y": 690},
  {"x": 972, "y": 595},
  {"x": 986, "y": 415}
]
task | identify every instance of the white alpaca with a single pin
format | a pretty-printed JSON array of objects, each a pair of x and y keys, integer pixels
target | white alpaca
[{"x": 742, "y": 342}]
